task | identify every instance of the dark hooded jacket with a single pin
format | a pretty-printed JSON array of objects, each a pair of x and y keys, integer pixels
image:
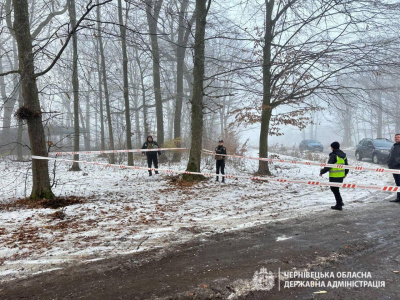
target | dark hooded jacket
[
  {"x": 220, "y": 150},
  {"x": 394, "y": 157},
  {"x": 333, "y": 159},
  {"x": 151, "y": 145}
]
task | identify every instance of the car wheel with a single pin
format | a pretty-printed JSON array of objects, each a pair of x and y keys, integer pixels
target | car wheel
[
  {"x": 375, "y": 159},
  {"x": 358, "y": 156}
]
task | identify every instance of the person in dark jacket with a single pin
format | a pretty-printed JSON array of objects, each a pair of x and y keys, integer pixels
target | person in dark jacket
[
  {"x": 338, "y": 157},
  {"x": 220, "y": 159},
  {"x": 151, "y": 155},
  {"x": 394, "y": 162}
]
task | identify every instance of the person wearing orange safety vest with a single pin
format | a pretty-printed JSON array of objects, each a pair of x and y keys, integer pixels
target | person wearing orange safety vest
[{"x": 337, "y": 157}]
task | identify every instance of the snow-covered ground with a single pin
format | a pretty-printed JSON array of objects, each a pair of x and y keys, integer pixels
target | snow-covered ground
[{"x": 126, "y": 211}]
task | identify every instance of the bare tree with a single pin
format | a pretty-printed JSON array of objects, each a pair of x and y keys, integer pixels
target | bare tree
[
  {"x": 75, "y": 82},
  {"x": 122, "y": 28},
  {"x": 202, "y": 8},
  {"x": 105, "y": 83},
  {"x": 183, "y": 37},
  {"x": 31, "y": 110},
  {"x": 153, "y": 8}
]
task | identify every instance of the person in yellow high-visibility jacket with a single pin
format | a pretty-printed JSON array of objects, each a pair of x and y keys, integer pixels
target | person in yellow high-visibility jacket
[{"x": 337, "y": 157}]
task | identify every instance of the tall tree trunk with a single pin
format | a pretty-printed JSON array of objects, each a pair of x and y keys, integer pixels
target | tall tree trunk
[
  {"x": 106, "y": 94},
  {"x": 379, "y": 114},
  {"x": 202, "y": 7},
  {"x": 347, "y": 130},
  {"x": 101, "y": 105},
  {"x": 180, "y": 62},
  {"x": 126, "y": 83},
  {"x": 20, "y": 124},
  {"x": 20, "y": 129},
  {"x": 145, "y": 116},
  {"x": 31, "y": 110},
  {"x": 153, "y": 8},
  {"x": 87, "y": 116},
  {"x": 136, "y": 105},
  {"x": 75, "y": 82},
  {"x": 8, "y": 105},
  {"x": 266, "y": 108}
]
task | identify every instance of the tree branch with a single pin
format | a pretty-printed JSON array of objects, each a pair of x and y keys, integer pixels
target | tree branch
[{"x": 73, "y": 30}]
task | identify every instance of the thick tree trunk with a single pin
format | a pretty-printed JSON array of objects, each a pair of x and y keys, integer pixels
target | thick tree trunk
[
  {"x": 75, "y": 82},
  {"x": 18, "y": 92},
  {"x": 198, "y": 92},
  {"x": 106, "y": 94},
  {"x": 31, "y": 110},
  {"x": 153, "y": 10},
  {"x": 126, "y": 83},
  {"x": 266, "y": 108}
]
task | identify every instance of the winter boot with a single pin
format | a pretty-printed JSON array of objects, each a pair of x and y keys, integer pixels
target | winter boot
[
  {"x": 336, "y": 207},
  {"x": 223, "y": 179},
  {"x": 217, "y": 179},
  {"x": 150, "y": 173},
  {"x": 156, "y": 172}
]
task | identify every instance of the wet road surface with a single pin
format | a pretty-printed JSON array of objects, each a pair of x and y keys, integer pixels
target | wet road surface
[{"x": 364, "y": 237}]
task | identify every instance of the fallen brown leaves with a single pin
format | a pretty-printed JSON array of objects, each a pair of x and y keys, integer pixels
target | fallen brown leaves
[
  {"x": 180, "y": 183},
  {"x": 42, "y": 203}
]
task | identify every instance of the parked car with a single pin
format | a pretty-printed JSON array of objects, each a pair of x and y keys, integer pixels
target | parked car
[
  {"x": 310, "y": 145},
  {"x": 376, "y": 149}
]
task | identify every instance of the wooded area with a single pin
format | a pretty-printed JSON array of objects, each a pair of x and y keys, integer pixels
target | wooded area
[{"x": 87, "y": 75}]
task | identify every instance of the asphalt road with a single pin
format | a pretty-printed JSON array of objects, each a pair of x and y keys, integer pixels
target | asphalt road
[{"x": 364, "y": 237}]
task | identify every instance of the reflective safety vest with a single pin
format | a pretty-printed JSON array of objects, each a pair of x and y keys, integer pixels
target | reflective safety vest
[{"x": 336, "y": 172}]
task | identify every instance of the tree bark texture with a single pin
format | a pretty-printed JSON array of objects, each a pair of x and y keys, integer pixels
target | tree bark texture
[
  {"x": 153, "y": 8},
  {"x": 198, "y": 92},
  {"x": 106, "y": 93},
  {"x": 126, "y": 83},
  {"x": 183, "y": 36},
  {"x": 31, "y": 110},
  {"x": 266, "y": 109},
  {"x": 75, "y": 82}
]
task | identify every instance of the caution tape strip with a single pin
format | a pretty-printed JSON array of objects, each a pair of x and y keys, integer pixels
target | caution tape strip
[
  {"x": 308, "y": 163},
  {"x": 280, "y": 180},
  {"x": 114, "y": 151}
]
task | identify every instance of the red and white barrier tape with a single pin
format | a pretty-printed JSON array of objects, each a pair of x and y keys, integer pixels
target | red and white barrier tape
[
  {"x": 114, "y": 151},
  {"x": 281, "y": 180},
  {"x": 307, "y": 163}
]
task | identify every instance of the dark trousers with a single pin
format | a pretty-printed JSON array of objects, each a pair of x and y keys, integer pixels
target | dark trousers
[
  {"x": 397, "y": 180},
  {"x": 335, "y": 190},
  {"x": 221, "y": 165},
  {"x": 152, "y": 159}
]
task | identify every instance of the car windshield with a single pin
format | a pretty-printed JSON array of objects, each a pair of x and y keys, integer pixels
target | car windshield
[
  {"x": 312, "y": 141},
  {"x": 383, "y": 143}
]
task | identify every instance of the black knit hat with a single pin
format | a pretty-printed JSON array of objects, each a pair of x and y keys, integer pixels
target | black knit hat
[
  {"x": 221, "y": 141},
  {"x": 335, "y": 145}
]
